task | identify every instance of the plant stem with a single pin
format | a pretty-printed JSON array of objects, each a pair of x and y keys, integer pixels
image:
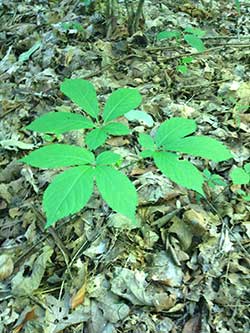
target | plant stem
[{"x": 137, "y": 16}]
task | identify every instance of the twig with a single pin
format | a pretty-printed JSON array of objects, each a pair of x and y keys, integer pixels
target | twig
[
  {"x": 137, "y": 15},
  {"x": 203, "y": 85},
  {"x": 58, "y": 241},
  {"x": 233, "y": 44},
  {"x": 82, "y": 248},
  {"x": 226, "y": 37},
  {"x": 97, "y": 73},
  {"x": 100, "y": 71},
  {"x": 20, "y": 260}
]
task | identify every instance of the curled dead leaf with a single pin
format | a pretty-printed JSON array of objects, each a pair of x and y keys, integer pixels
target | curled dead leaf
[
  {"x": 78, "y": 298},
  {"x": 29, "y": 316},
  {"x": 6, "y": 266}
]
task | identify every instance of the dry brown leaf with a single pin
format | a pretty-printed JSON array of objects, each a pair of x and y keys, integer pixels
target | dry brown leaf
[
  {"x": 78, "y": 298},
  {"x": 6, "y": 266},
  {"x": 29, "y": 316},
  {"x": 117, "y": 141}
]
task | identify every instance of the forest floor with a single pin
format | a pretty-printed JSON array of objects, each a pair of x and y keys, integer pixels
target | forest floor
[{"x": 186, "y": 269}]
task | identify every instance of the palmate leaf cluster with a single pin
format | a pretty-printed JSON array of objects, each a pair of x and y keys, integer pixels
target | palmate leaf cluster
[
  {"x": 83, "y": 94},
  {"x": 72, "y": 188},
  {"x": 192, "y": 36},
  {"x": 172, "y": 137},
  {"x": 241, "y": 176}
]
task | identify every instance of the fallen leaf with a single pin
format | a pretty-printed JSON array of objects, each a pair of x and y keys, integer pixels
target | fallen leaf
[
  {"x": 192, "y": 325},
  {"x": 29, "y": 316},
  {"x": 78, "y": 298},
  {"x": 6, "y": 266}
]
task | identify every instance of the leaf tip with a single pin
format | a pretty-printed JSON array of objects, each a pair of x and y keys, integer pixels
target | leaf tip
[
  {"x": 48, "y": 225},
  {"x": 21, "y": 160},
  {"x": 29, "y": 127}
]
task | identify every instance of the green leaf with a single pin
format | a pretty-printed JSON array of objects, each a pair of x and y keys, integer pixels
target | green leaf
[
  {"x": 82, "y": 93},
  {"x": 207, "y": 173},
  {"x": 25, "y": 55},
  {"x": 187, "y": 60},
  {"x": 201, "y": 146},
  {"x": 107, "y": 157},
  {"x": 182, "y": 69},
  {"x": 86, "y": 2},
  {"x": 95, "y": 138},
  {"x": 68, "y": 193},
  {"x": 179, "y": 171},
  {"x": 58, "y": 155},
  {"x": 146, "y": 153},
  {"x": 142, "y": 117},
  {"x": 218, "y": 180},
  {"x": 72, "y": 26},
  {"x": 168, "y": 34},
  {"x": 146, "y": 141},
  {"x": 47, "y": 137},
  {"x": 116, "y": 129},
  {"x": 239, "y": 176},
  {"x": 237, "y": 4},
  {"x": 121, "y": 101},
  {"x": 117, "y": 190},
  {"x": 195, "y": 42},
  {"x": 246, "y": 197},
  {"x": 195, "y": 31},
  {"x": 59, "y": 122},
  {"x": 173, "y": 129},
  {"x": 247, "y": 168}
]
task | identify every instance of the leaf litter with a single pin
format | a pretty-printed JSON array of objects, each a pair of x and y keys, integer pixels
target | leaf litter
[{"x": 186, "y": 269}]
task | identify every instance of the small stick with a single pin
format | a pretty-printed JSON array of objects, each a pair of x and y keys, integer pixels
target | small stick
[{"x": 58, "y": 241}]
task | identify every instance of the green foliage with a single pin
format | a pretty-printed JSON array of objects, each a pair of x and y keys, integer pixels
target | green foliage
[
  {"x": 116, "y": 129},
  {"x": 183, "y": 68},
  {"x": 146, "y": 141},
  {"x": 195, "y": 32},
  {"x": 82, "y": 93},
  {"x": 87, "y": 2},
  {"x": 187, "y": 60},
  {"x": 241, "y": 176},
  {"x": 237, "y": 110},
  {"x": 201, "y": 146},
  {"x": 68, "y": 193},
  {"x": 72, "y": 188},
  {"x": 117, "y": 190},
  {"x": 168, "y": 35},
  {"x": 174, "y": 129},
  {"x": 213, "y": 179},
  {"x": 194, "y": 42},
  {"x": 26, "y": 55},
  {"x": 60, "y": 122},
  {"x": 192, "y": 36},
  {"x": 67, "y": 26},
  {"x": 172, "y": 136},
  {"x": 95, "y": 138},
  {"x": 107, "y": 157},
  {"x": 58, "y": 155},
  {"x": 237, "y": 5},
  {"x": 121, "y": 101},
  {"x": 179, "y": 171}
]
